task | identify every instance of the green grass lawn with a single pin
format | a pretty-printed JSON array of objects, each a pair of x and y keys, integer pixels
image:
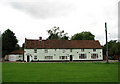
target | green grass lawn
[{"x": 59, "y": 72}]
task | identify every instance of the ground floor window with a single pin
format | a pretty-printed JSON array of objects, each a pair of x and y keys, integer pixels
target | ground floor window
[
  {"x": 94, "y": 56},
  {"x": 48, "y": 57},
  {"x": 82, "y": 56},
  {"x": 35, "y": 57},
  {"x": 62, "y": 57}
]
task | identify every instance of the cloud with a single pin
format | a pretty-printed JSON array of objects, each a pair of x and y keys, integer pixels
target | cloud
[{"x": 43, "y": 8}]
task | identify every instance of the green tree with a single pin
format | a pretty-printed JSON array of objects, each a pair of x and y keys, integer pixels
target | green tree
[
  {"x": 56, "y": 33},
  {"x": 118, "y": 45},
  {"x": 9, "y": 42},
  {"x": 17, "y": 47},
  {"x": 113, "y": 49},
  {"x": 23, "y": 46},
  {"x": 83, "y": 36}
]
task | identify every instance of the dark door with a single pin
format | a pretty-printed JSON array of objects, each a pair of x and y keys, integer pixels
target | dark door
[
  {"x": 28, "y": 58},
  {"x": 70, "y": 57}
]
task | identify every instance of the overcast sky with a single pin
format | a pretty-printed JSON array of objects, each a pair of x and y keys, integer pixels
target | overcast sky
[{"x": 32, "y": 18}]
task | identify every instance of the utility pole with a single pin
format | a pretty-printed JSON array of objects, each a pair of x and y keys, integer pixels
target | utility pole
[{"x": 106, "y": 42}]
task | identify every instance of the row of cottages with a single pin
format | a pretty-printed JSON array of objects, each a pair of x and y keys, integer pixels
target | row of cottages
[{"x": 62, "y": 50}]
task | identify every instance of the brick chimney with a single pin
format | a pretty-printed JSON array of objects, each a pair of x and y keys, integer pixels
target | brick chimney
[{"x": 40, "y": 38}]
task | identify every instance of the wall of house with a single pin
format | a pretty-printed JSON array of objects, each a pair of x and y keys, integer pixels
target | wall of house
[
  {"x": 19, "y": 57},
  {"x": 61, "y": 52},
  {"x": 15, "y": 57}
]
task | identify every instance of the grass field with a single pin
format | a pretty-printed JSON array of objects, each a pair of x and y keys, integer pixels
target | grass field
[{"x": 59, "y": 72}]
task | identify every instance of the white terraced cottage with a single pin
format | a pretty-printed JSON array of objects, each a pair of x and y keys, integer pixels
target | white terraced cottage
[{"x": 62, "y": 50}]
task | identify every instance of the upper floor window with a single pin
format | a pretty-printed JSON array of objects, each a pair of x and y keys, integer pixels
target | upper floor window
[
  {"x": 82, "y": 50},
  {"x": 94, "y": 56},
  {"x": 94, "y": 50},
  {"x": 55, "y": 49},
  {"x": 63, "y": 51},
  {"x": 35, "y": 50},
  {"x": 70, "y": 50},
  {"x": 20, "y": 56},
  {"x": 82, "y": 56},
  {"x": 46, "y": 50}
]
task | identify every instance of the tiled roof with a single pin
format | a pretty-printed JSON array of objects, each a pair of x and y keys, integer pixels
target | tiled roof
[
  {"x": 17, "y": 52},
  {"x": 54, "y": 44}
]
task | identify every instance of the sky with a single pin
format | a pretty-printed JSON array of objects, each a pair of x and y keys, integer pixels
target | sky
[{"x": 32, "y": 18}]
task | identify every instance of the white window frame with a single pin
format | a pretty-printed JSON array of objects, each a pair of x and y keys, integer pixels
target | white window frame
[
  {"x": 35, "y": 57},
  {"x": 46, "y": 50},
  {"x": 48, "y": 57},
  {"x": 63, "y": 51},
  {"x": 82, "y": 56},
  {"x": 82, "y": 50},
  {"x": 94, "y": 54},
  {"x": 63, "y": 57},
  {"x": 35, "y": 50},
  {"x": 94, "y": 50}
]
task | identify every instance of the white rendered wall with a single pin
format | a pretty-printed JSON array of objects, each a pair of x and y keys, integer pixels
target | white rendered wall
[
  {"x": 19, "y": 57},
  {"x": 59, "y": 52},
  {"x": 14, "y": 57}
]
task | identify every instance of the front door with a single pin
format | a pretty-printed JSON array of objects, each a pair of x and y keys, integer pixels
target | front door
[
  {"x": 71, "y": 57},
  {"x": 28, "y": 58}
]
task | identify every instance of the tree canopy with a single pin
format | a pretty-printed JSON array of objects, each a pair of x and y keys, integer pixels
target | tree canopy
[
  {"x": 9, "y": 42},
  {"x": 56, "y": 33},
  {"x": 83, "y": 36}
]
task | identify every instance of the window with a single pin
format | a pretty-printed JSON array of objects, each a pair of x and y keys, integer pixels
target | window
[
  {"x": 55, "y": 49},
  {"x": 63, "y": 51},
  {"x": 48, "y": 57},
  {"x": 62, "y": 57},
  {"x": 94, "y": 56},
  {"x": 82, "y": 50},
  {"x": 35, "y": 50},
  {"x": 46, "y": 50},
  {"x": 82, "y": 56},
  {"x": 20, "y": 56},
  {"x": 70, "y": 50},
  {"x": 94, "y": 50},
  {"x": 35, "y": 57}
]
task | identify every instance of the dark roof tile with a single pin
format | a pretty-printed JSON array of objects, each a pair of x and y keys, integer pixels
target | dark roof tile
[{"x": 17, "y": 52}]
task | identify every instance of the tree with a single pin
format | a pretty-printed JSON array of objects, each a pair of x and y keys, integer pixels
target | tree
[
  {"x": 83, "y": 36},
  {"x": 17, "y": 47},
  {"x": 9, "y": 42},
  {"x": 113, "y": 48},
  {"x": 56, "y": 33},
  {"x": 23, "y": 46}
]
